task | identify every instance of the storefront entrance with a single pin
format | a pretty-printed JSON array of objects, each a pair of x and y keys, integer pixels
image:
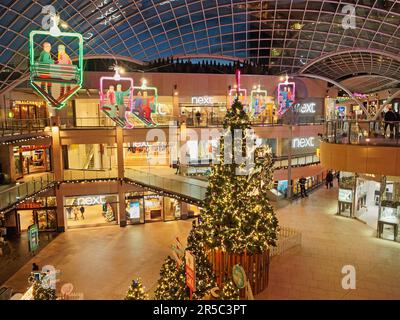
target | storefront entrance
[{"x": 89, "y": 211}]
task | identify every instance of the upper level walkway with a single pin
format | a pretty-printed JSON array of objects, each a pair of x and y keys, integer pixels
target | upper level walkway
[
  {"x": 156, "y": 178},
  {"x": 370, "y": 147},
  {"x": 13, "y": 127}
]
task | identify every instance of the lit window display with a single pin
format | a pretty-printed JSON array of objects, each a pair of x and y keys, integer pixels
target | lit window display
[{"x": 91, "y": 210}]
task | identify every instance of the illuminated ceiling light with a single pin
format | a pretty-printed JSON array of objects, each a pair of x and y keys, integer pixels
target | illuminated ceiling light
[
  {"x": 54, "y": 29},
  {"x": 297, "y": 26},
  {"x": 276, "y": 52},
  {"x": 64, "y": 25},
  {"x": 117, "y": 75},
  {"x": 144, "y": 83}
]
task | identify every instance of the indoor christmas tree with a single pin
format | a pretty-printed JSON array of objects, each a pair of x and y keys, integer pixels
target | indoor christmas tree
[
  {"x": 136, "y": 291},
  {"x": 237, "y": 216},
  {"x": 205, "y": 279},
  {"x": 109, "y": 213},
  {"x": 172, "y": 282},
  {"x": 229, "y": 291}
]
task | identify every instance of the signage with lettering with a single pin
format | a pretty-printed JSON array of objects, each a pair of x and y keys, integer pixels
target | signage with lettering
[
  {"x": 90, "y": 201},
  {"x": 306, "y": 107},
  {"x": 303, "y": 142},
  {"x": 202, "y": 100}
]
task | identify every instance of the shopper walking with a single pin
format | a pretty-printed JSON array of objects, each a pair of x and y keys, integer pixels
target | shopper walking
[
  {"x": 75, "y": 211},
  {"x": 302, "y": 182},
  {"x": 329, "y": 180},
  {"x": 198, "y": 117},
  {"x": 35, "y": 267},
  {"x": 82, "y": 210}
]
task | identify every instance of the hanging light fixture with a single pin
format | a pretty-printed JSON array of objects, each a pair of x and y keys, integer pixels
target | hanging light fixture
[{"x": 54, "y": 29}]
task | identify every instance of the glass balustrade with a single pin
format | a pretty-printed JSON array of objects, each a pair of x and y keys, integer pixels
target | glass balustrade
[{"x": 20, "y": 191}]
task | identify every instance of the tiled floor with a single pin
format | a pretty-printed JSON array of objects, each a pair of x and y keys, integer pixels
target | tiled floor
[{"x": 101, "y": 262}]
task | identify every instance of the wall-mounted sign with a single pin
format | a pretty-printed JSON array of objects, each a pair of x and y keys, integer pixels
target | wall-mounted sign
[
  {"x": 305, "y": 107},
  {"x": 345, "y": 195},
  {"x": 90, "y": 201},
  {"x": 239, "y": 276},
  {"x": 303, "y": 142},
  {"x": 33, "y": 237},
  {"x": 202, "y": 100}
]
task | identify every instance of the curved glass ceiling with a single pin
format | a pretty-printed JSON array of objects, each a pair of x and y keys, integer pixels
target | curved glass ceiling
[{"x": 286, "y": 35}]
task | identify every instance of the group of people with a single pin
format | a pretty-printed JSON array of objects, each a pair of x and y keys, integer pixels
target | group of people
[
  {"x": 46, "y": 58},
  {"x": 76, "y": 211}
]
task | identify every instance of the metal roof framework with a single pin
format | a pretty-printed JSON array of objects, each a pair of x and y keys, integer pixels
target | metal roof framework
[{"x": 286, "y": 35}]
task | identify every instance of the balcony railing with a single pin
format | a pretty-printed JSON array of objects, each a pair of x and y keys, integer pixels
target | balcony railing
[
  {"x": 21, "y": 126},
  {"x": 297, "y": 160},
  {"x": 85, "y": 174},
  {"x": 20, "y": 191},
  {"x": 364, "y": 132},
  {"x": 181, "y": 187},
  {"x": 164, "y": 121}
]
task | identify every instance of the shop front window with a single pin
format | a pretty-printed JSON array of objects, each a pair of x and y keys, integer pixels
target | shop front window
[
  {"x": 91, "y": 210},
  {"x": 172, "y": 209},
  {"x": 153, "y": 205},
  {"x": 134, "y": 209}
]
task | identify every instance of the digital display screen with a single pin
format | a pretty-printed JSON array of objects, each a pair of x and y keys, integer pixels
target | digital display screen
[{"x": 345, "y": 195}]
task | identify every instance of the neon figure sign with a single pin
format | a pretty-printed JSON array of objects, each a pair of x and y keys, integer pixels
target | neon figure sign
[
  {"x": 56, "y": 81},
  {"x": 286, "y": 95},
  {"x": 258, "y": 100},
  {"x": 236, "y": 92},
  {"x": 117, "y": 104}
]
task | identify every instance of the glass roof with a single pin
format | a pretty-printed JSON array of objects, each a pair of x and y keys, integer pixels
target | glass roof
[{"x": 286, "y": 35}]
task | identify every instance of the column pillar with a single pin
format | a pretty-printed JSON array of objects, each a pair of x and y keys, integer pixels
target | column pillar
[
  {"x": 58, "y": 171},
  {"x": 61, "y": 218},
  {"x": 121, "y": 175},
  {"x": 7, "y": 161}
]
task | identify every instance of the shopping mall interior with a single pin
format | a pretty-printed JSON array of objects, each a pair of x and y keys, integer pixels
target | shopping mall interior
[{"x": 202, "y": 150}]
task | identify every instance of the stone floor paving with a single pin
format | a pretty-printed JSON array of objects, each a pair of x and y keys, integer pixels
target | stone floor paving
[{"x": 101, "y": 262}]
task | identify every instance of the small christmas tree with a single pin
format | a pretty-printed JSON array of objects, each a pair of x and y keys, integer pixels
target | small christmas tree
[
  {"x": 42, "y": 290},
  {"x": 205, "y": 279},
  {"x": 136, "y": 291},
  {"x": 109, "y": 213},
  {"x": 172, "y": 282},
  {"x": 229, "y": 291}
]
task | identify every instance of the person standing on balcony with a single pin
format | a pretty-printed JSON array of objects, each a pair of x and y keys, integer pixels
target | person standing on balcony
[
  {"x": 390, "y": 118},
  {"x": 178, "y": 166}
]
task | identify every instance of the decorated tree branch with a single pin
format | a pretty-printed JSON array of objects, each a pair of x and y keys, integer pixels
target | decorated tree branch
[{"x": 229, "y": 291}]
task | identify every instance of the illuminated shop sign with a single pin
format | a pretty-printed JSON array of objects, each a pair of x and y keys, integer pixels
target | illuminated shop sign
[
  {"x": 303, "y": 142},
  {"x": 90, "y": 201},
  {"x": 345, "y": 195},
  {"x": 305, "y": 107},
  {"x": 202, "y": 100}
]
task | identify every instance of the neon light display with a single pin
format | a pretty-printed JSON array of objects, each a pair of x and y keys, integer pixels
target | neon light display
[
  {"x": 286, "y": 95},
  {"x": 54, "y": 76},
  {"x": 116, "y": 96},
  {"x": 258, "y": 100},
  {"x": 237, "y": 92},
  {"x": 145, "y": 103}
]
